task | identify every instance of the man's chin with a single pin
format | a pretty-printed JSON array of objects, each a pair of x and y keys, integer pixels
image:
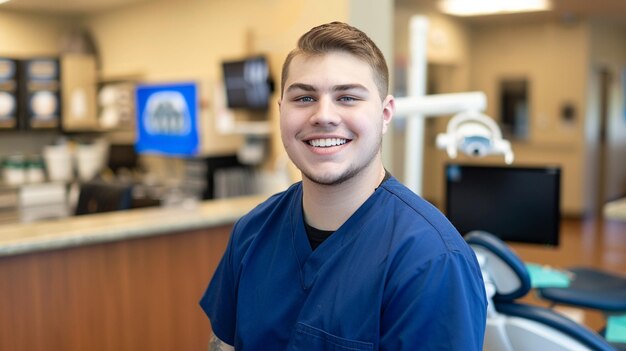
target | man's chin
[{"x": 329, "y": 179}]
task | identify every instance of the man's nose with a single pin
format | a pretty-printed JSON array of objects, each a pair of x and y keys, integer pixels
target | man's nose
[{"x": 325, "y": 112}]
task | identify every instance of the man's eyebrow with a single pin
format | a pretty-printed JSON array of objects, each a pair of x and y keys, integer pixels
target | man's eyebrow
[
  {"x": 340, "y": 87},
  {"x": 301, "y": 86},
  {"x": 344, "y": 87}
]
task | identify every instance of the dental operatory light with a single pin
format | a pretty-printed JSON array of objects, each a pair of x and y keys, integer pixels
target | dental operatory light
[
  {"x": 476, "y": 135},
  {"x": 491, "y": 7},
  {"x": 469, "y": 131}
]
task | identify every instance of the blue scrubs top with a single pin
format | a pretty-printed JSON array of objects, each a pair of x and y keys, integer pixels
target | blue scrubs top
[{"x": 395, "y": 276}]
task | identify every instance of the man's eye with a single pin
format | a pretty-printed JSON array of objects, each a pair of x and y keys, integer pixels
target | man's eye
[
  {"x": 305, "y": 99},
  {"x": 347, "y": 99}
]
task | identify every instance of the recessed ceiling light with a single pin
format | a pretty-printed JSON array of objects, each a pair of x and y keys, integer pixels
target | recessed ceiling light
[{"x": 492, "y": 7}]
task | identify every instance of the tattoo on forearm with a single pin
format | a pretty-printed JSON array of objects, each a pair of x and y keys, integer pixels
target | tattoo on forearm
[{"x": 216, "y": 344}]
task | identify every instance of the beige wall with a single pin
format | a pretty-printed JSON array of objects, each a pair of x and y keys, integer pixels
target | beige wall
[
  {"x": 27, "y": 35},
  {"x": 188, "y": 40},
  {"x": 554, "y": 59}
]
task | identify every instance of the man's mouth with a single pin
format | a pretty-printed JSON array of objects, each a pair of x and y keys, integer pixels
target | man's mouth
[{"x": 328, "y": 142}]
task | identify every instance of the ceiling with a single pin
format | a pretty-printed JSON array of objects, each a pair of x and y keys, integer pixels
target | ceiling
[
  {"x": 614, "y": 10},
  {"x": 611, "y": 10},
  {"x": 67, "y": 7}
]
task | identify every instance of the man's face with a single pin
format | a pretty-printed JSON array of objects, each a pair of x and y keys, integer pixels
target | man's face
[{"x": 332, "y": 118}]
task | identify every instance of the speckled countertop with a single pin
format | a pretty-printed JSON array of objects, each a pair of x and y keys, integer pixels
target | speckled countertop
[{"x": 113, "y": 226}]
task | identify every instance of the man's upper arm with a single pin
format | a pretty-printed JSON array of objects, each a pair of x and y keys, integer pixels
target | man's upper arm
[
  {"x": 215, "y": 344},
  {"x": 439, "y": 305},
  {"x": 219, "y": 300}
]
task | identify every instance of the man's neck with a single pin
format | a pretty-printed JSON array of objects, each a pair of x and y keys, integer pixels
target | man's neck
[{"x": 328, "y": 207}]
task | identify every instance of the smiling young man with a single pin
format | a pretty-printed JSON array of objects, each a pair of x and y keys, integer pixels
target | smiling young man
[{"x": 347, "y": 259}]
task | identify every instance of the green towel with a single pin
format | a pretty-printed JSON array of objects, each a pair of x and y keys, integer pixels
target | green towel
[
  {"x": 616, "y": 329},
  {"x": 546, "y": 277}
]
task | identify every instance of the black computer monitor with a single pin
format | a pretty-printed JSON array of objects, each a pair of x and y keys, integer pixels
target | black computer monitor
[
  {"x": 248, "y": 83},
  {"x": 517, "y": 204},
  {"x": 99, "y": 197}
]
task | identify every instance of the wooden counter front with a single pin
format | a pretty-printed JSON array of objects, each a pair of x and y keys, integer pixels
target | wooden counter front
[
  {"x": 138, "y": 294},
  {"x": 120, "y": 281}
]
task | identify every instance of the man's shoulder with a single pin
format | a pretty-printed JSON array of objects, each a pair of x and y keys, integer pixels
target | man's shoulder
[
  {"x": 418, "y": 221},
  {"x": 406, "y": 200},
  {"x": 274, "y": 203},
  {"x": 422, "y": 235},
  {"x": 273, "y": 209}
]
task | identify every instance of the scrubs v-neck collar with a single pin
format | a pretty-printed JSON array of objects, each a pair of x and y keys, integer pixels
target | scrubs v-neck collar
[{"x": 310, "y": 261}]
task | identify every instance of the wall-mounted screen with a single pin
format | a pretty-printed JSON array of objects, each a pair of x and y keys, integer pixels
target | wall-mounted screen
[
  {"x": 248, "y": 83},
  {"x": 519, "y": 204},
  {"x": 40, "y": 91},
  {"x": 167, "y": 119},
  {"x": 8, "y": 94}
]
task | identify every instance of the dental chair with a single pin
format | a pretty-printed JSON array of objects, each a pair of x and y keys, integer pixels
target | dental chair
[
  {"x": 514, "y": 326},
  {"x": 591, "y": 289}
]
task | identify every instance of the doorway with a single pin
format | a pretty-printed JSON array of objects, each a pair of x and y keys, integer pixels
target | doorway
[{"x": 605, "y": 78}]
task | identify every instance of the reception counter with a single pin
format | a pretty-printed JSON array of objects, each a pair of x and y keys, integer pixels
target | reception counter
[
  {"x": 116, "y": 281},
  {"x": 114, "y": 226}
]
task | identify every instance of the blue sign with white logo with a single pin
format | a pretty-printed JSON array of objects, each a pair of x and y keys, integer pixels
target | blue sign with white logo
[{"x": 167, "y": 119}]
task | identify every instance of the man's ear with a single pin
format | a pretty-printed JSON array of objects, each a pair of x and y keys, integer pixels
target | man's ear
[{"x": 389, "y": 109}]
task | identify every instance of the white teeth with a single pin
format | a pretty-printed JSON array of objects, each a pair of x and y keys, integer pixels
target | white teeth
[{"x": 327, "y": 142}]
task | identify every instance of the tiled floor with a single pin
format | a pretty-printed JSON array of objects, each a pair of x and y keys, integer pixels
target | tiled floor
[{"x": 586, "y": 242}]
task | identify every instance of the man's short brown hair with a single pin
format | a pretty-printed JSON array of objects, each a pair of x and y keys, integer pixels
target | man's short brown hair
[{"x": 341, "y": 37}]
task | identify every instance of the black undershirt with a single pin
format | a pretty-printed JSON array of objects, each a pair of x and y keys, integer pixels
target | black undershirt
[{"x": 317, "y": 236}]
